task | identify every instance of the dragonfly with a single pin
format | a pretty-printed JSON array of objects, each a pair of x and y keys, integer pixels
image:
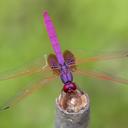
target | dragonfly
[{"x": 62, "y": 65}]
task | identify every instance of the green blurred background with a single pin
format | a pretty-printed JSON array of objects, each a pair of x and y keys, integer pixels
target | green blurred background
[{"x": 93, "y": 27}]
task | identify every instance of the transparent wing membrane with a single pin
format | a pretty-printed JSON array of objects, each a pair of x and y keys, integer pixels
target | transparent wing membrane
[
  {"x": 101, "y": 76},
  {"x": 26, "y": 71},
  {"x": 117, "y": 55},
  {"x": 21, "y": 73},
  {"x": 26, "y": 92}
]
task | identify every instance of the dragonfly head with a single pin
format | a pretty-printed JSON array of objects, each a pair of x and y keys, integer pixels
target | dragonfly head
[{"x": 69, "y": 87}]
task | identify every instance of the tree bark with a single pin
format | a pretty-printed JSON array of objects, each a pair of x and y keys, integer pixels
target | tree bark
[{"x": 72, "y": 110}]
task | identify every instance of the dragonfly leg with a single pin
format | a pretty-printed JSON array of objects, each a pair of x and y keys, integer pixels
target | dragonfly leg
[{"x": 46, "y": 62}]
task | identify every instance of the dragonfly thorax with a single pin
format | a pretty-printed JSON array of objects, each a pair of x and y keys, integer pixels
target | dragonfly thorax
[{"x": 65, "y": 74}]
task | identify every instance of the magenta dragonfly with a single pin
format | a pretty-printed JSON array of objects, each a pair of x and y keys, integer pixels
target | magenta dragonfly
[{"x": 62, "y": 65}]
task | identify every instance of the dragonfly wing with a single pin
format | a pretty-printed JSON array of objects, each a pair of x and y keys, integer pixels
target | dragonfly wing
[
  {"x": 26, "y": 92},
  {"x": 101, "y": 76},
  {"x": 53, "y": 63},
  {"x": 26, "y": 71},
  {"x": 69, "y": 59},
  {"x": 112, "y": 56}
]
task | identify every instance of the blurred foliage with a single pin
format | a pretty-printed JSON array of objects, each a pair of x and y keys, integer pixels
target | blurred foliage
[{"x": 91, "y": 26}]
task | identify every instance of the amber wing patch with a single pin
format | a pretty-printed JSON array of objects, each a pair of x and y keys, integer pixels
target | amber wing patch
[
  {"x": 69, "y": 59},
  {"x": 53, "y": 63}
]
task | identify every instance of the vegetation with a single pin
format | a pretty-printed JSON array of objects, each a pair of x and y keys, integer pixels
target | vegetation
[{"x": 86, "y": 27}]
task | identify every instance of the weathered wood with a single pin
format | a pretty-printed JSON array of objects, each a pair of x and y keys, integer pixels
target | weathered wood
[{"x": 72, "y": 110}]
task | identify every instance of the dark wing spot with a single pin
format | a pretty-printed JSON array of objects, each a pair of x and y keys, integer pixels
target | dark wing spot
[
  {"x": 53, "y": 63},
  {"x": 69, "y": 59}
]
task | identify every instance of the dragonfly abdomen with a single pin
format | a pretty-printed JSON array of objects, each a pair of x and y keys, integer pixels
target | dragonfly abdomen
[{"x": 53, "y": 37}]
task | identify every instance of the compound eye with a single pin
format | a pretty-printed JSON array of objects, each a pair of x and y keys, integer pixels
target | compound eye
[
  {"x": 69, "y": 88},
  {"x": 65, "y": 88}
]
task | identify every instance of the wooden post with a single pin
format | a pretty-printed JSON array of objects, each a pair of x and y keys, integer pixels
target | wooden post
[{"x": 72, "y": 110}]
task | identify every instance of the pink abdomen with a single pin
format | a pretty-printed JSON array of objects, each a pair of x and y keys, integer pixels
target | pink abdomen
[{"x": 53, "y": 37}]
